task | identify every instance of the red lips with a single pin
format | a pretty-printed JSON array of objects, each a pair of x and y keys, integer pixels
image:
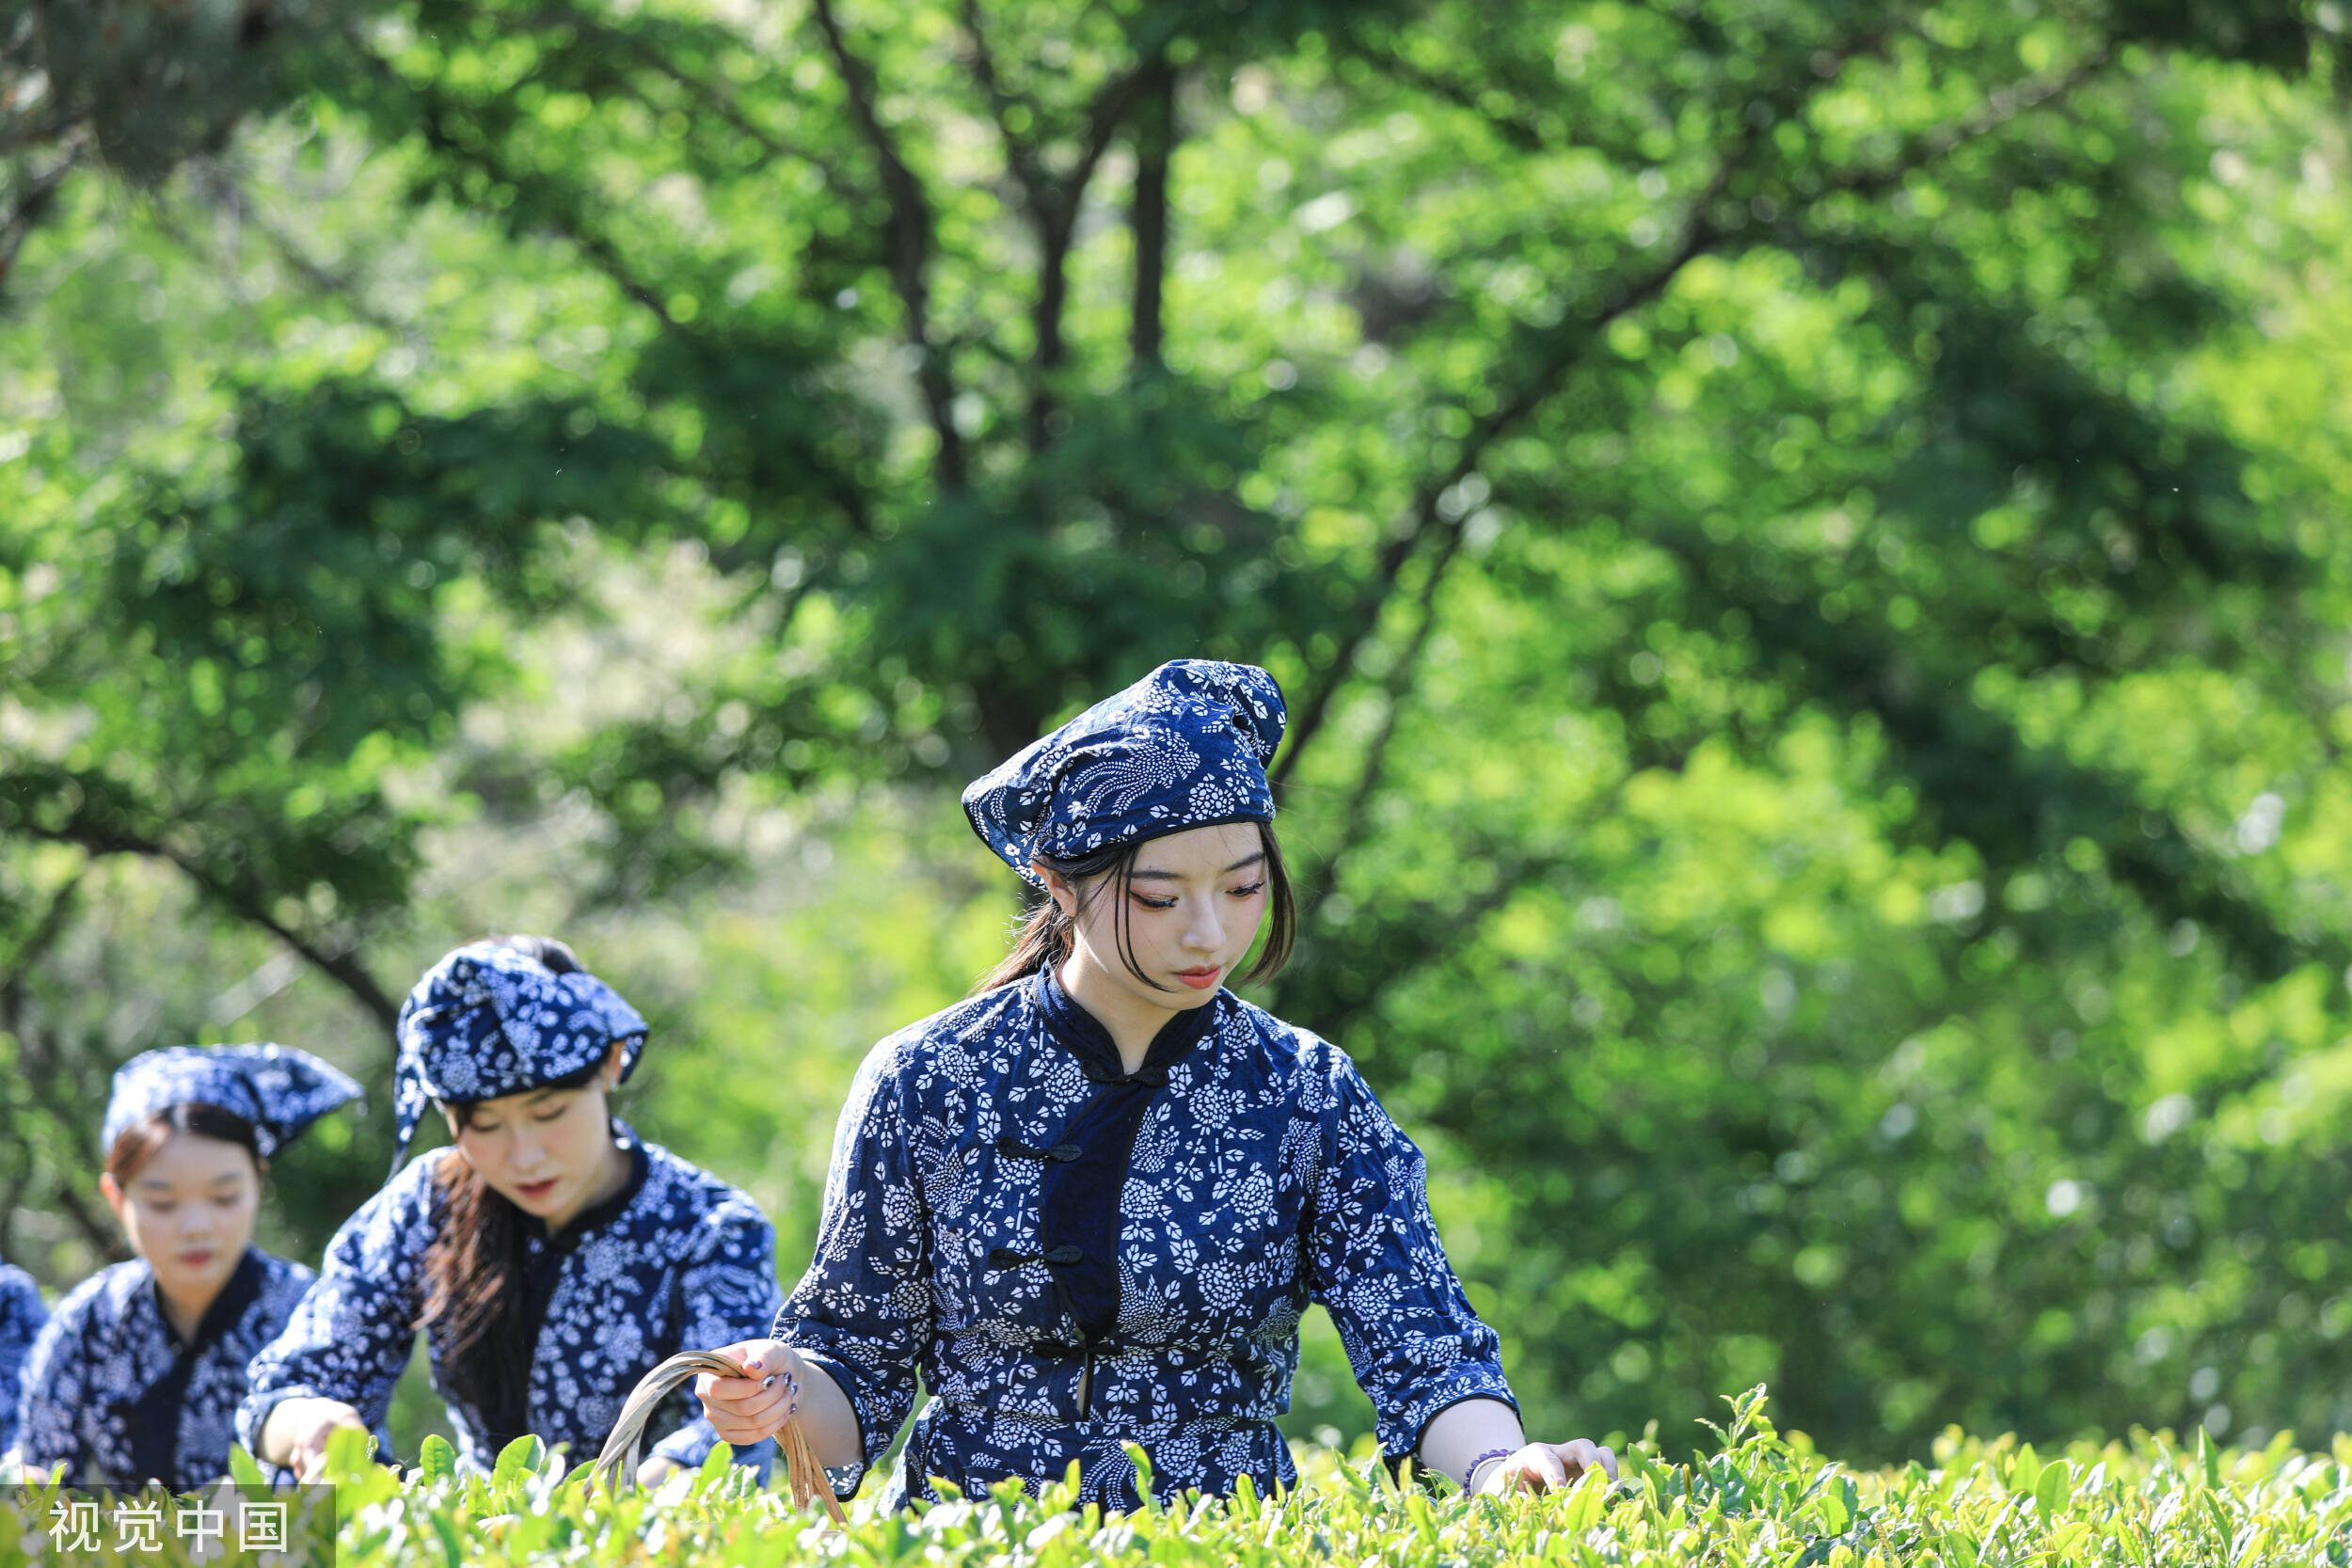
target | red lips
[{"x": 1201, "y": 979}]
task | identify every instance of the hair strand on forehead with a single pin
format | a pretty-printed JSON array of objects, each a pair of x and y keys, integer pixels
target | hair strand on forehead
[
  {"x": 1048, "y": 933},
  {"x": 143, "y": 1140}
]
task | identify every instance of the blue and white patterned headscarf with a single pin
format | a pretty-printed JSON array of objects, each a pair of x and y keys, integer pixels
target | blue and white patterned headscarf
[
  {"x": 1185, "y": 747},
  {"x": 488, "y": 1021},
  {"x": 279, "y": 1090}
]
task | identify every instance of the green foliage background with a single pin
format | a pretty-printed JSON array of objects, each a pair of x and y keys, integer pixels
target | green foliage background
[{"x": 1804, "y": 539}]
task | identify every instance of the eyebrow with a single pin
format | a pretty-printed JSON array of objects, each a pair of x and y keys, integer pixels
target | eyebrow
[
  {"x": 1143, "y": 876},
  {"x": 523, "y": 1101},
  {"x": 157, "y": 1184}
]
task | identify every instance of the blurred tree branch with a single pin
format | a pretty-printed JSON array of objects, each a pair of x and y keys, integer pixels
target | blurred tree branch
[
  {"x": 1571, "y": 341},
  {"x": 136, "y": 87},
  {"x": 1053, "y": 201},
  {"x": 247, "y": 903},
  {"x": 909, "y": 246},
  {"x": 1558, "y": 352},
  {"x": 42, "y": 1062},
  {"x": 703, "y": 93},
  {"x": 560, "y": 211},
  {"x": 1155, "y": 136},
  {"x": 32, "y": 195}
]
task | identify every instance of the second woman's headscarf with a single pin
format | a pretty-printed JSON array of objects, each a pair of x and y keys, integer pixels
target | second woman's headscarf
[
  {"x": 276, "y": 1088},
  {"x": 489, "y": 1020}
]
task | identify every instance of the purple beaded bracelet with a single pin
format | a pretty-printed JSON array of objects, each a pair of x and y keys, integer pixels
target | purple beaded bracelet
[{"x": 1472, "y": 1473}]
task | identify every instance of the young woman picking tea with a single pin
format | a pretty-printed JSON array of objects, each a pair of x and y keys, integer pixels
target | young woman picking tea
[
  {"x": 551, "y": 1256},
  {"x": 1087, "y": 1205}
]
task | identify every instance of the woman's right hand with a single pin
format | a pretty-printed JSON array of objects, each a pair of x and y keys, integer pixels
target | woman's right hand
[
  {"x": 751, "y": 1408},
  {"x": 298, "y": 1430}
]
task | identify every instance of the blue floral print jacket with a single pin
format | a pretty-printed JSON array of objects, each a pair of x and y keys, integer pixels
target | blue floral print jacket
[
  {"x": 1073, "y": 1257},
  {"x": 113, "y": 1395},
  {"x": 676, "y": 1261},
  {"x": 21, "y": 1317}
]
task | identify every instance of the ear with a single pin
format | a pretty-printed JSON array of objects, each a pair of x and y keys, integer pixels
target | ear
[
  {"x": 611, "y": 1072},
  {"x": 111, "y": 1191},
  {"x": 1058, "y": 888}
]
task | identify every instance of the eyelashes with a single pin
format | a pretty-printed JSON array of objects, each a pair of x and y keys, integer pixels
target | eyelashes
[
  {"x": 1251, "y": 892},
  {"x": 500, "y": 1127}
]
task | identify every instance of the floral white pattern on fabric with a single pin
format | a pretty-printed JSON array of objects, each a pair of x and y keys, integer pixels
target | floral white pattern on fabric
[
  {"x": 1186, "y": 746},
  {"x": 687, "y": 1264},
  {"x": 21, "y": 1317},
  {"x": 1266, "y": 1176},
  {"x": 488, "y": 1021},
  {"x": 108, "y": 1344},
  {"x": 279, "y": 1089}
]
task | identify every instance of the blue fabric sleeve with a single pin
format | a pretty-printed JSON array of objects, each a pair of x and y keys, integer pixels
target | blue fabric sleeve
[
  {"x": 351, "y": 1337},
  {"x": 22, "y": 1316},
  {"x": 1375, "y": 1261},
  {"x": 863, "y": 1313},
  {"x": 57, "y": 1388},
  {"x": 730, "y": 1294}
]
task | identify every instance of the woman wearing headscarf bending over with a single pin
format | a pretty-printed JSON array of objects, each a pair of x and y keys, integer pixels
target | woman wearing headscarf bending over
[
  {"x": 1088, "y": 1204},
  {"x": 138, "y": 1375},
  {"x": 553, "y": 1257}
]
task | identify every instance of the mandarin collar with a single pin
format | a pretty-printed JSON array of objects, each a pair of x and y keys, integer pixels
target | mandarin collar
[{"x": 1069, "y": 1025}]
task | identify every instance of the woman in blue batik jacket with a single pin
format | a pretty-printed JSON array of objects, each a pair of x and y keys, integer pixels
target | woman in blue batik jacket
[
  {"x": 21, "y": 1317},
  {"x": 551, "y": 1256},
  {"x": 1088, "y": 1204},
  {"x": 138, "y": 1375}
]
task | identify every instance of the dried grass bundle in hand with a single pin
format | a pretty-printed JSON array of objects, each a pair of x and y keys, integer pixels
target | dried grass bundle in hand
[{"x": 616, "y": 1466}]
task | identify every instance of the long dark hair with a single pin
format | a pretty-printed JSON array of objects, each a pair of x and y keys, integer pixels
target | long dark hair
[
  {"x": 473, "y": 1268},
  {"x": 1046, "y": 934}
]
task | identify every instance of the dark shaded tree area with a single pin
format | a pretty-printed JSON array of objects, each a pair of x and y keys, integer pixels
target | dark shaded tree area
[{"x": 1793, "y": 532}]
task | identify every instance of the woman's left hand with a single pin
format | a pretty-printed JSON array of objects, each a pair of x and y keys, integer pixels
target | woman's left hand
[
  {"x": 654, "y": 1469},
  {"x": 1541, "y": 1466}
]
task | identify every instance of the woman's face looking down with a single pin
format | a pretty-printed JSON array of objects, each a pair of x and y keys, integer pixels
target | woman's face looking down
[
  {"x": 188, "y": 1209},
  {"x": 1192, "y": 906},
  {"x": 547, "y": 1152}
]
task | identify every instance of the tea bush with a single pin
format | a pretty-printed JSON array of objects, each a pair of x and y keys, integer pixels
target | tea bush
[{"x": 1760, "y": 1495}]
